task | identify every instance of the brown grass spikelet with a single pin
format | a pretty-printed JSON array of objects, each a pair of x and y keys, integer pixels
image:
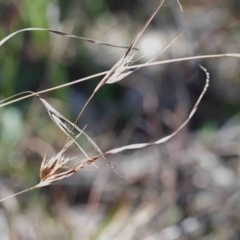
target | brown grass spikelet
[
  {"x": 120, "y": 67},
  {"x": 55, "y": 168},
  {"x": 52, "y": 169}
]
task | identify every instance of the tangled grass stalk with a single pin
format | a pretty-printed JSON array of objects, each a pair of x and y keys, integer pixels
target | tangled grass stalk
[{"x": 56, "y": 168}]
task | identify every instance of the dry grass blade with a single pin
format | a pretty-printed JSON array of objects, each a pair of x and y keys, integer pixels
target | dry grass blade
[
  {"x": 123, "y": 61},
  {"x": 144, "y": 27},
  {"x": 19, "y": 94},
  {"x": 123, "y": 71},
  {"x": 13, "y": 96},
  {"x": 233, "y": 55},
  {"x": 64, "y": 124},
  {"x": 68, "y": 128},
  {"x": 55, "y": 168},
  {"x": 88, "y": 39},
  {"x": 180, "y": 5},
  {"x": 32, "y": 94},
  {"x": 160, "y": 141},
  {"x": 166, "y": 48},
  {"x": 119, "y": 70},
  {"x": 116, "y": 67},
  {"x": 62, "y": 34}
]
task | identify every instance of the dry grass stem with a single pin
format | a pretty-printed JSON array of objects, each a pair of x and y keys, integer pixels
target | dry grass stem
[
  {"x": 148, "y": 64},
  {"x": 50, "y": 89},
  {"x": 53, "y": 169},
  {"x": 123, "y": 70},
  {"x": 120, "y": 65},
  {"x": 180, "y": 5},
  {"x": 233, "y": 55},
  {"x": 62, "y": 34},
  {"x": 160, "y": 141},
  {"x": 66, "y": 126}
]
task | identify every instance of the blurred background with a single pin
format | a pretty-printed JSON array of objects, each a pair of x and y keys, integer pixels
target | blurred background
[{"x": 187, "y": 188}]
